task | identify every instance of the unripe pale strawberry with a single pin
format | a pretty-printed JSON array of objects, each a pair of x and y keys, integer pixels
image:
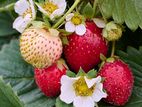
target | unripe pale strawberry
[{"x": 39, "y": 47}]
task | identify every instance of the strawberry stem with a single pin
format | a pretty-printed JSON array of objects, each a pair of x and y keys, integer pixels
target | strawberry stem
[
  {"x": 95, "y": 6},
  {"x": 68, "y": 12},
  {"x": 7, "y": 7},
  {"x": 113, "y": 48}
]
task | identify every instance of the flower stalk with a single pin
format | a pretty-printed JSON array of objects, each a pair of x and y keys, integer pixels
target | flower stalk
[
  {"x": 113, "y": 48},
  {"x": 95, "y": 6},
  {"x": 7, "y": 7}
]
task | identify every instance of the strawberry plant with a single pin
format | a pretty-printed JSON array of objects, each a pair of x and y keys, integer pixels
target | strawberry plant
[{"x": 70, "y": 53}]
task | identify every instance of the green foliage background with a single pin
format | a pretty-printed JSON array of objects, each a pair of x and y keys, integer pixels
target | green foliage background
[{"x": 17, "y": 85}]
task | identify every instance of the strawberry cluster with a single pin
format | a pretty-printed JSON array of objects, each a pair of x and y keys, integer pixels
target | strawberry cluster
[{"x": 44, "y": 47}]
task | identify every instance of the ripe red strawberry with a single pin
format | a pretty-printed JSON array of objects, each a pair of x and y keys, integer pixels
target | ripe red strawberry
[
  {"x": 118, "y": 82},
  {"x": 39, "y": 47},
  {"x": 84, "y": 51},
  {"x": 48, "y": 79}
]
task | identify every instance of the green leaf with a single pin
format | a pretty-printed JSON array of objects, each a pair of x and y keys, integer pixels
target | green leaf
[
  {"x": 136, "y": 98},
  {"x": 6, "y": 22},
  {"x": 4, "y": 41},
  {"x": 21, "y": 76},
  {"x": 59, "y": 103},
  {"x": 128, "y": 11},
  {"x": 71, "y": 74},
  {"x": 81, "y": 72},
  {"x": 88, "y": 11},
  {"x": 92, "y": 73},
  {"x": 7, "y": 96},
  {"x": 14, "y": 69}
]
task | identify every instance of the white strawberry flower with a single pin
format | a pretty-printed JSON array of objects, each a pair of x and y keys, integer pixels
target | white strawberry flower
[
  {"x": 81, "y": 91},
  {"x": 75, "y": 23},
  {"x": 26, "y": 12},
  {"x": 52, "y": 8}
]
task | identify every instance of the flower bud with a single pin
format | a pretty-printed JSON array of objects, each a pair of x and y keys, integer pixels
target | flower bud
[{"x": 112, "y": 31}]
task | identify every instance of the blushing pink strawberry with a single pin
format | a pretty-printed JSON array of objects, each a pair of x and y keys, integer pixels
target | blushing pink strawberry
[{"x": 118, "y": 81}]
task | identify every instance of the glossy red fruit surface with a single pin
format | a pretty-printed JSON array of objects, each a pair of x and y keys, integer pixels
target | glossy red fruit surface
[
  {"x": 118, "y": 82},
  {"x": 48, "y": 79},
  {"x": 84, "y": 51}
]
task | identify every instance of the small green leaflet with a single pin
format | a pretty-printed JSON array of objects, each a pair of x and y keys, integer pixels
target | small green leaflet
[{"x": 88, "y": 11}]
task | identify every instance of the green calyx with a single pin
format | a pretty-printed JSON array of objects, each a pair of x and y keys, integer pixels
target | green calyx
[
  {"x": 39, "y": 24},
  {"x": 111, "y": 59},
  {"x": 108, "y": 60},
  {"x": 112, "y": 31},
  {"x": 91, "y": 74}
]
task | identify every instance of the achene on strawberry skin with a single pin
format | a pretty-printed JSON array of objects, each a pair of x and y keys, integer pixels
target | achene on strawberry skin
[
  {"x": 118, "y": 82},
  {"x": 48, "y": 79},
  {"x": 39, "y": 47},
  {"x": 84, "y": 51}
]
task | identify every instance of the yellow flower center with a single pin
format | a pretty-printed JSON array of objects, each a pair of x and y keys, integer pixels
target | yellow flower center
[
  {"x": 76, "y": 19},
  {"x": 28, "y": 11},
  {"x": 50, "y": 7},
  {"x": 81, "y": 88}
]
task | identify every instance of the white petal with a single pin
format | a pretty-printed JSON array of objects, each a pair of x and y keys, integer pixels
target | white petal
[
  {"x": 91, "y": 82},
  {"x": 41, "y": 9},
  {"x": 33, "y": 8},
  {"x": 69, "y": 16},
  {"x": 70, "y": 27},
  {"x": 56, "y": 13},
  {"x": 98, "y": 93},
  {"x": 80, "y": 29},
  {"x": 57, "y": 1},
  {"x": 67, "y": 91},
  {"x": 62, "y": 4},
  {"x": 99, "y": 22},
  {"x": 83, "y": 102},
  {"x": 21, "y": 6},
  {"x": 61, "y": 8},
  {"x": 21, "y": 23}
]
